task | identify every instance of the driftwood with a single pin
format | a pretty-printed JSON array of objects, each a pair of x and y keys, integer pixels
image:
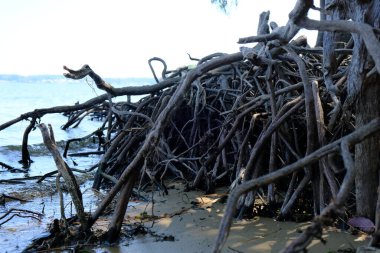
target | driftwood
[
  {"x": 65, "y": 172},
  {"x": 13, "y": 212},
  {"x": 278, "y": 118},
  {"x": 341, "y": 145}
]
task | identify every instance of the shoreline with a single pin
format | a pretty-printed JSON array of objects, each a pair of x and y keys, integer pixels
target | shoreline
[
  {"x": 186, "y": 222},
  {"x": 191, "y": 221}
]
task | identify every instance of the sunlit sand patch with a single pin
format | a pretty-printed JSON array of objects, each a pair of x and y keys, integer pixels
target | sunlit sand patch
[{"x": 193, "y": 218}]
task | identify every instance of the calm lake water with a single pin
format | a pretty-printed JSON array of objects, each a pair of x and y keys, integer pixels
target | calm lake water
[{"x": 24, "y": 95}]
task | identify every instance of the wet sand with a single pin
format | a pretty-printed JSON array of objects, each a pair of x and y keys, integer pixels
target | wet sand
[{"x": 192, "y": 220}]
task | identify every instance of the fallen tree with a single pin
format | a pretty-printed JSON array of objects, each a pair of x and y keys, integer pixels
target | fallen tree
[{"x": 279, "y": 118}]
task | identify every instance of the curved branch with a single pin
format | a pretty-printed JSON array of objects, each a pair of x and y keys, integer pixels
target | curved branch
[
  {"x": 353, "y": 138},
  {"x": 152, "y": 69},
  {"x": 364, "y": 30},
  {"x": 284, "y": 33},
  {"x": 298, "y": 18},
  {"x": 129, "y": 90},
  {"x": 163, "y": 118},
  {"x": 86, "y": 70}
]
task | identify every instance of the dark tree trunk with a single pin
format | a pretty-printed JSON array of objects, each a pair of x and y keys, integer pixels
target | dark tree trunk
[
  {"x": 367, "y": 153},
  {"x": 26, "y": 160},
  {"x": 366, "y": 92},
  {"x": 121, "y": 207}
]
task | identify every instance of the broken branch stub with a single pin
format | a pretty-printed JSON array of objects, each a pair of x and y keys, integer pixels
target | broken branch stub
[
  {"x": 66, "y": 173},
  {"x": 86, "y": 70}
]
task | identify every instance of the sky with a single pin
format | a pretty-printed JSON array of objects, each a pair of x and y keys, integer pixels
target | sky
[{"x": 118, "y": 37}]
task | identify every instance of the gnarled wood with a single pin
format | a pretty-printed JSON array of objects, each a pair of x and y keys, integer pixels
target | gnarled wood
[{"x": 65, "y": 172}]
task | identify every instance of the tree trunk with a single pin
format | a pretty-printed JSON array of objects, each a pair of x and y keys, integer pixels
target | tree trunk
[
  {"x": 64, "y": 170},
  {"x": 322, "y": 16},
  {"x": 121, "y": 207},
  {"x": 367, "y": 153},
  {"x": 365, "y": 90}
]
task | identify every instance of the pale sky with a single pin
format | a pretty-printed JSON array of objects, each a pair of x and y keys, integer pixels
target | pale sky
[{"x": 117, "y": 37}]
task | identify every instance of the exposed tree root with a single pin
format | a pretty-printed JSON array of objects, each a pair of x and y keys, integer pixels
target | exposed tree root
[{"x": 266, "y": 119}]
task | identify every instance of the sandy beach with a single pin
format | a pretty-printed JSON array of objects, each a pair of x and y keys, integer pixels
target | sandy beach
[{"x": 188, "y": 222}]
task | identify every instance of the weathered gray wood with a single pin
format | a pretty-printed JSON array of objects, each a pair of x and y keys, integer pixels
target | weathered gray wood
[
  {"x": 163, "y": 118},
  {"x": 353, "y": 138},
  {"x": 129, "y": 90},
  {"x": 66, "y": 173},
  {"x": 121, "y": 207}
]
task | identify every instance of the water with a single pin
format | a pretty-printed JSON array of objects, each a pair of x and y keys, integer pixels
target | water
[
  {"x": 194, "y": 231},
  {"x": 19, "y": 95},
  {"x": 18, "y": 233},
  {"x": 25, "y": 95}
]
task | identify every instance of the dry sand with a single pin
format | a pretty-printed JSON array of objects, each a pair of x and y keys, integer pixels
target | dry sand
[{"x": 195, "y": 226}]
